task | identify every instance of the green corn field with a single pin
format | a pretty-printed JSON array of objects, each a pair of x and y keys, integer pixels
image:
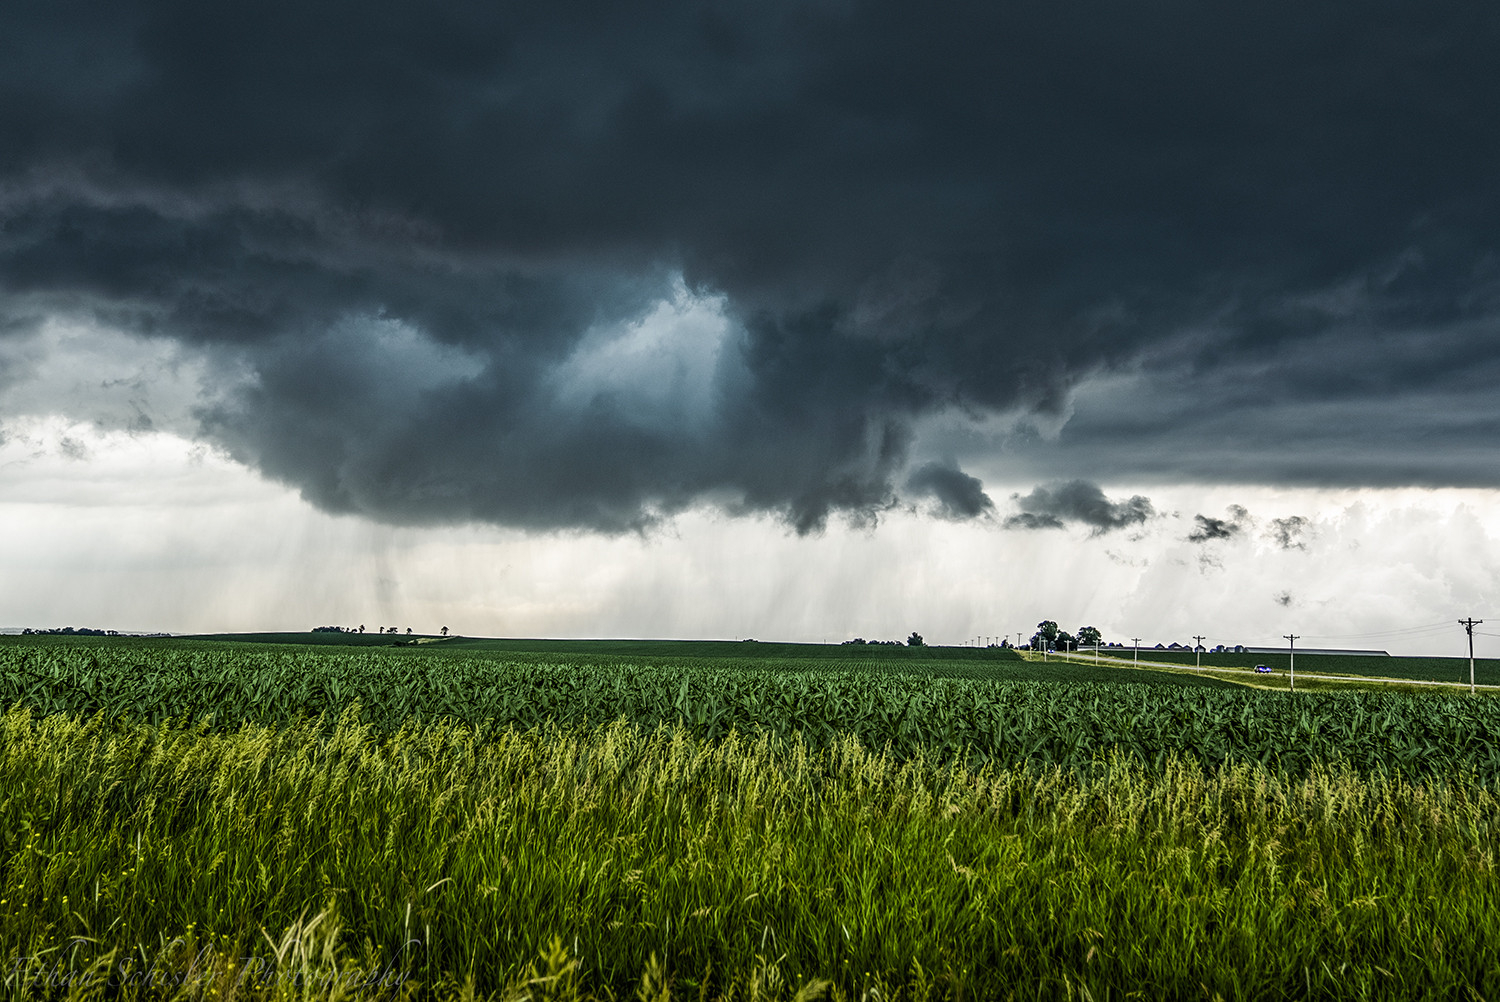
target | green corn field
[
  {"x": 234, "y": 821},
  {"x": 976, "y": 713}
]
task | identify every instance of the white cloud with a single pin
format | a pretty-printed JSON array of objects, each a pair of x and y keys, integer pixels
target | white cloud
[
  {"x": 89, "y": 373},
  {"x": 150, "y": 531}
]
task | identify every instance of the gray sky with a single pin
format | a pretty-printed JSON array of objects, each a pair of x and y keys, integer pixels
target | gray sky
[{"x": 598, "y": 278}]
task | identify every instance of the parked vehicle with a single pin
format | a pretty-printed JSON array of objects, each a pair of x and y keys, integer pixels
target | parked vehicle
[{"x": 1262, "y": 668}]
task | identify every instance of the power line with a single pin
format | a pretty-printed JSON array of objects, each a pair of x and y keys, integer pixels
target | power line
[
  {"x": 1404, "y": 631},
  {"x": 1412, "y": 633}
]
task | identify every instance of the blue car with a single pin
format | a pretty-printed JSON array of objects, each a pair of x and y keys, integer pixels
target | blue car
[{"x": 1262, "y": 668}]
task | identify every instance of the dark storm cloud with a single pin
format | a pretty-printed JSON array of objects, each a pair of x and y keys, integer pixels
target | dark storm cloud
[
  {"x": 1056, "y": 505},
  {"x": 1206, "y": 528},
  {"x": 958, "y": 495},
  {"x": 400, "y": 232}
]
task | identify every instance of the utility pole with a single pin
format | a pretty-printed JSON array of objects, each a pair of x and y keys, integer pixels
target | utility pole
[
  {"x": 1137, "y": 642},
  {"x": 1468, "y": 625},
  {"x": 1198, "y": 650},
  {"x": 1291, "y": 664}
]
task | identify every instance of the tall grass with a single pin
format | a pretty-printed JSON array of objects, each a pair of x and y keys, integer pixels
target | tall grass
[{"x": 615, "y": 860}]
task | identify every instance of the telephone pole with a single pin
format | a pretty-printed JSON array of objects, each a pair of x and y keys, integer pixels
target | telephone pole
[
  {"x": 1468, "y": 625},
  {"x": 1198, "y": 651},
  {"x": 1137, "y": 642},
  {"x": 1291, "y": 664}
]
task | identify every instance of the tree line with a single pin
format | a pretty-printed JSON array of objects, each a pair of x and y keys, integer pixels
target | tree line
[{"x": 1048, "y": 637}]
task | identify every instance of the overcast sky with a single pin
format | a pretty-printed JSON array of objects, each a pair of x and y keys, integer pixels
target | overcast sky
[{"x": 797, "y": 320}]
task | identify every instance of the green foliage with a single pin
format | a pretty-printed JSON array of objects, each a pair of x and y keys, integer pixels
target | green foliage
[
  {"x": 1045, "y": 635},
  {"x": 617, "y": 862},
  {"x": 962, "y": 711}
]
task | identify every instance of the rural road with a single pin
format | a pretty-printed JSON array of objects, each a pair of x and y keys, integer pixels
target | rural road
[{"x": 1131, "y": 663}]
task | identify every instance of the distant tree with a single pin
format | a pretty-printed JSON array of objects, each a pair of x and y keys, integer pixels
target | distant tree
[
  {"x": 444, "y": 631},
  {"x": 408, "y": 631},
  {"x": 361, "y": 627},
  {"x": 1045, "y": 635},
  {"x": 1065, "y": 641},
  {"x": 1089, "y": 636},
  {"x": 915, "y": 640}
]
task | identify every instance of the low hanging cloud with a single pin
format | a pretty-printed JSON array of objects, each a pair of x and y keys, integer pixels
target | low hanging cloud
[
  {"x": 958, "y": 496},
  {"x": 1207, "y": 528},
  {"x": 1054, "y": 506}
]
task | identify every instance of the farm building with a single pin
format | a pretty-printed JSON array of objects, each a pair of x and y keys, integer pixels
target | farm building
[{"x": 1317, "y": 650}]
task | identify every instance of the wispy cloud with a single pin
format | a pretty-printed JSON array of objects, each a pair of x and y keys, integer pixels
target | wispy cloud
[
  {"x": 1206, "y": 528},
  {"x": 1288, "y": 533}
]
